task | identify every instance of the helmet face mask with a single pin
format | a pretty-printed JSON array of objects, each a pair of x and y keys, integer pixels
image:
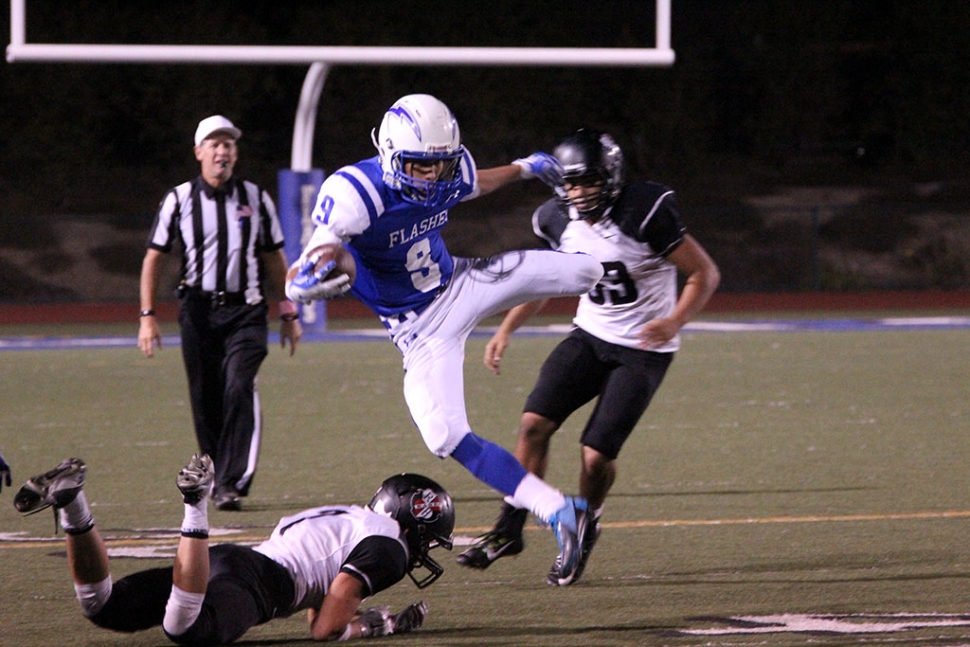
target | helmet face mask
[
  {"x": 585, "y": 193},
  {"x": 426, "y": 514},
  {"x": 420, "y": 130},
  {"x": 590, "y": 160}
]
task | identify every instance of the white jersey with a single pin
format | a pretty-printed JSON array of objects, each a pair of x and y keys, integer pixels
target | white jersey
[
  {"x": 317, "y": 544},
  {"x": 632, "y": 241}
]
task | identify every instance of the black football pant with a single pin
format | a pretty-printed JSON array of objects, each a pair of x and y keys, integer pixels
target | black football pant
[
  {"x": 223, "y": 348},
  {"x": 245, "y": 589}
]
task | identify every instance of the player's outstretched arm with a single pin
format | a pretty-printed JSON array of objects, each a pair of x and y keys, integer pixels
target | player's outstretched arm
[
  {"x": 703, "y": 277},
  {"x": 542, "y": 166},
  {"x": 500, "y": 340},
  {"x": 337, "y": 617}
]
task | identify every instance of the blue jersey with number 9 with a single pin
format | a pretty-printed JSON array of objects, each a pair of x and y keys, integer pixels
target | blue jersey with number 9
[{"x": 402, "y": 261}]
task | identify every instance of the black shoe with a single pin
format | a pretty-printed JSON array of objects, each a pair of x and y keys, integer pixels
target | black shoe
[
  {"x": 56, "y": 487},
  {"x": 505, "y": 540},
  {"x": 489, "y": 548},
  {"x": 227, "y": 499},
  {"x": 194, "y": 480},
  {"x": 589, "y": 540}
]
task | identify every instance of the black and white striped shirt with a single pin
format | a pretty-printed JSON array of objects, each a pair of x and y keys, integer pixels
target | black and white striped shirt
[{"x": 223, "y": 231}]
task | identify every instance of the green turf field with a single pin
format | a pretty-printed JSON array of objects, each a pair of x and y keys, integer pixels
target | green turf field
[{"x": 784, "y": 489}]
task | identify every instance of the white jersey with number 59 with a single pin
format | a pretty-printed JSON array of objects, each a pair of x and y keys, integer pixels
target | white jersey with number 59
[
  {"x": 397, "y": 245},
  {"x": 632, "y": 241}
]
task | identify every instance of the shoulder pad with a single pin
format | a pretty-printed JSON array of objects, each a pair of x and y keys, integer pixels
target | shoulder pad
[{"x": 549, "y": 221}]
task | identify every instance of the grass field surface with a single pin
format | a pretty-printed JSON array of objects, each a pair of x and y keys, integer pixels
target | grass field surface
[{"x": 786, "y": 488}]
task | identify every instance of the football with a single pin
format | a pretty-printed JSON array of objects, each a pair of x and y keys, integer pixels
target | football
[{"x": 326, "y": 253}]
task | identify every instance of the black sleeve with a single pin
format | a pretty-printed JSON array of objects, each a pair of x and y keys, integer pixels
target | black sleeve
[
  {"x": 378, "y": 562},
  {"x": 173, "y": 227},
  {"x": 549, "y": 221},
  {"x": 648, "y": 213}
]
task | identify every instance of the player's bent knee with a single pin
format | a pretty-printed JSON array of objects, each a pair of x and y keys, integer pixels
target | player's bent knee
[
  {"x": 583, "y": 271},
  {"x": 592, "y": 270}
]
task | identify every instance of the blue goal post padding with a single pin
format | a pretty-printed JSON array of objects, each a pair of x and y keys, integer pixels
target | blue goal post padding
[{"x": 297, "y": 196}]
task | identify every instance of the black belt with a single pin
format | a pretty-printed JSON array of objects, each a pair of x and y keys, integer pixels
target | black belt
[{"x": 216, "y": 299}]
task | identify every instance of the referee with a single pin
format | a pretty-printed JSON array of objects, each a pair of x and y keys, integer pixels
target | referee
[{"x": 230, "y": 238}]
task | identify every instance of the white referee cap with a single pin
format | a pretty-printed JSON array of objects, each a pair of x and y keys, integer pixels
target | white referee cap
[{"x": 215, "y": 124}]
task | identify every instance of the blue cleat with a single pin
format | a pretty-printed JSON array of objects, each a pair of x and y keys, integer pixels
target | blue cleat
[{"x": 571, "y": 524}]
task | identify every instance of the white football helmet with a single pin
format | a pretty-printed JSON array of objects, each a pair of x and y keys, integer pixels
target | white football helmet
[{"x": 419, "y": 127}]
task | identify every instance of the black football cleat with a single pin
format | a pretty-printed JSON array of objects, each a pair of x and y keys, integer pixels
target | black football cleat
[{"x": 56, "y": 487}]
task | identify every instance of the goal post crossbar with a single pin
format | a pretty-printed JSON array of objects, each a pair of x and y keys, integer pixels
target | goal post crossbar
[
  {"x": 19, "y": 50},
  {"x": 302, "y": 55}
]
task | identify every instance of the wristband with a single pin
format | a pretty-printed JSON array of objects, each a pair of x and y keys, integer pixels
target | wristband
[
  {"x": 288, "y": 311},
  {"x": 347, "y": 634},
  {"x": 146, "y": 313}
]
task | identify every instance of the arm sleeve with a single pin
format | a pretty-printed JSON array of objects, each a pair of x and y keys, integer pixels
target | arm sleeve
[
  {"x": 378, "y": 562},
  {"x": 272, "y": 230},
  {"x": 648, "y": 213},
  {"x": 164, "y": 228},
  {"x": 663, "y": 229}
]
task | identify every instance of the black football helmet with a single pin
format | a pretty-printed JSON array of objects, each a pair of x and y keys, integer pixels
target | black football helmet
[
  {"x": 590, "y": 157},
  {"x": 425, "y": 511}
]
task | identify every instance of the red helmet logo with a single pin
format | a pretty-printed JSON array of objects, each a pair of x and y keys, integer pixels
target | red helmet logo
[{"x": 425, "y": 505}]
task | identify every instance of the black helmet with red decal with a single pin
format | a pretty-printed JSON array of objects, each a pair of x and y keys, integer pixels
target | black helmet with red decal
[{"x": 426, "y": 515}]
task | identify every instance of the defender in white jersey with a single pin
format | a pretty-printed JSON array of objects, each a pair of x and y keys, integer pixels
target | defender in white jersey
[
  {"x": 326, "y": 560},
  {"x": 625, "y": 329},
  {"x": 389, "y": 211}
]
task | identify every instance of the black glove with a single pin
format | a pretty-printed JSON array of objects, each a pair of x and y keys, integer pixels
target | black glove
[
  {"x": 4, "y": 473},
  {"x": 410, "y": 618}
]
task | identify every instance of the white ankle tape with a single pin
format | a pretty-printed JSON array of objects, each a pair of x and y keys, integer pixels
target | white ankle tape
[
  {"x": 76, "y": 515},
  {"x": 181, "y": 611},
  {"x": 196, "y": 517},
  {"x": 93, "y": 597}
]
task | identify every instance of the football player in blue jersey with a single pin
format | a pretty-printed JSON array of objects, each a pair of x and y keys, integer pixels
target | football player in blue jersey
[
  {"x": 625, "y": 330},
  {"x": 389, "y": 212}
]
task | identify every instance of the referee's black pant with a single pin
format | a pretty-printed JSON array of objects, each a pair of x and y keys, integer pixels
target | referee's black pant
[{"x": 223, "y": 347}]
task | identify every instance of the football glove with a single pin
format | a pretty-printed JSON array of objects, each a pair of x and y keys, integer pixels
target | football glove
[
  {"x": 4, "y": 473},
  {"x": 542, "y": 166},
  {"x": 311, "y": 284},
  {"x": 410, "y": 618},
  {"x": 376, "y": 622}
]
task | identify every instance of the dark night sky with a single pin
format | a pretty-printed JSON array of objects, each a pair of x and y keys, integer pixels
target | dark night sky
[
  {"x": 764, "y": 95},
  {"x": 758, "y": 86}
]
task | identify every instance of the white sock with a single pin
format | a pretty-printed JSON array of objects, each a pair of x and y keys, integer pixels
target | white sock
[
  {"x": 181, "y": 610},
  {"x": 92, "y": 597},
  {"x": 76, "y": 517},
  {"x": 538, "y": 496},
  {"x": 195, "y": 523}
]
